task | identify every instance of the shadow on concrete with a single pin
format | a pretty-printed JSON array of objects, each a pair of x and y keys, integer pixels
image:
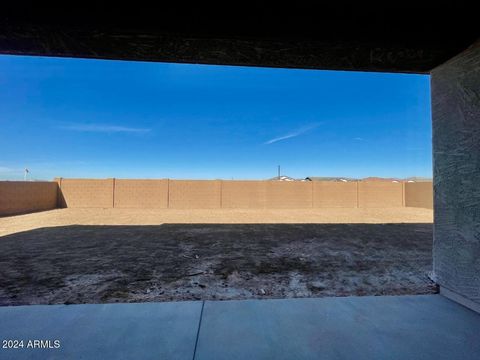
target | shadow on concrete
[{"x": 105, "y": 264}]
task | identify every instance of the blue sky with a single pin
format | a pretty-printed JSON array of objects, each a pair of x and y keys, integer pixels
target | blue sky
[{"x": 98, "y": 118}]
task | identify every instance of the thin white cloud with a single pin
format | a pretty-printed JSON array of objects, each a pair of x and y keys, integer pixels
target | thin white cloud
[
  {"x": 103, "y": 128},
  {"x": 292, "y": 134},
  {"x": 4, "y": 169},
  {"x": 359, "y": 139}
]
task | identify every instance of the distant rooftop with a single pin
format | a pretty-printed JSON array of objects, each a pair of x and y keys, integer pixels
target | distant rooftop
[
  {"x": 370, "y": 178},
  {"x": 418, "y": 179},
  {"x": 329, "y": 178},
  {"x": 376, "y": 178},
  {"x": 285, "y": 178}
]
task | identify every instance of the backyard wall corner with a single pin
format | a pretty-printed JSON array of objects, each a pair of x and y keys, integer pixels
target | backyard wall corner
[
  {"x": 21, "y": 197},
  {"x": 86, "y": 193}
]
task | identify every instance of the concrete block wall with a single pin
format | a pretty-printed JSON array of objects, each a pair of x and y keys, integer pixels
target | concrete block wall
[
  {"x": 244, "y": 194},
  {"x": 335, "y": 194},
  {"x": 209, "y": 194},
  {"x": 85, "y": 193},
  {"x": 141, "y": 194},
  {"x": 231, "y": 194},
  {"x": 20, "y": 197},
  {"x": 289, "y": 195},
  {"x": 194, "y": 194},
  {"x": 419, "y": 195},
  {"x": 379, "y": 194}
]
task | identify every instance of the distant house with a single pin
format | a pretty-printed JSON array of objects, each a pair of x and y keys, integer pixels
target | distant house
[
  {"x": 327, "y": 178},
  {"x": 284, "y": 178},
  {"x": 375, "y": 178},
  {"x": 418, "y": 179},
  {"x": 370, "y": 178}
]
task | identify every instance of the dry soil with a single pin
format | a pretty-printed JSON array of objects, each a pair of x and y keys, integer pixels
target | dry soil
[
  {"x": 113, "y": 255},
  {"x": 62, "y": 217}
]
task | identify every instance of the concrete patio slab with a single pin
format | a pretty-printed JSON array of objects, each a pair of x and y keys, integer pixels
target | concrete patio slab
[
  {"x": 387, "y": 327},
  {"x": 113, "y": 331}
]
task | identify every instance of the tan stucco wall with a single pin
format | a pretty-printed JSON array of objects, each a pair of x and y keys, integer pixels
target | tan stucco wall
[
  {"x": 334, "y": 194},
  {"x": 419, "y": 195},
  {"x": 94, "y": 193},
  {"x": 377, "y": 194},
  {"x": 244, "y": 194},
  {"x": 19, "y": 197},
  {"x": 141, "y": 194},
  {"x": 194, "y": 194},
  {"x": 289, "y": 194}
]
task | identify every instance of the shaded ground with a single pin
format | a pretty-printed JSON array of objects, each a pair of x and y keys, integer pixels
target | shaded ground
[{"x": 97, "y": 264}]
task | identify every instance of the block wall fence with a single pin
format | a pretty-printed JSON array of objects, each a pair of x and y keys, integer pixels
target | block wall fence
[
  {"x": 20, "y": 197},
  {"x": 234, "y": 194},
  {"x": 17, "y": 197}
]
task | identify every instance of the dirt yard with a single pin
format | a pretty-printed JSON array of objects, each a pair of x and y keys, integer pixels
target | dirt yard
[
  {"x": 100, "y": 256},
  {"x": 64, "y": 217}
]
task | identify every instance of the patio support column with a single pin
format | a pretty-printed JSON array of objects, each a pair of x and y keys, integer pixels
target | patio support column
[{"x": 455, "y": 88}]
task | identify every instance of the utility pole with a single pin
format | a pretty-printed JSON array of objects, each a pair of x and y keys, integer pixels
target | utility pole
[
  {"x": 25, "y": 174},
  {"x": 278, "y": 172}
]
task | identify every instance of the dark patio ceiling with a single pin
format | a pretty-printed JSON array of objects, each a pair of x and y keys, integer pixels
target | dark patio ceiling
[{"x": 397, "y": 38}]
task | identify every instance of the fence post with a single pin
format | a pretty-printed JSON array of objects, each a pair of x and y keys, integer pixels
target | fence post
[
  {"x": 312, "y": 193},
  {"x": 168, "y": 193},
  {"x": 358, "y": 205},
  {"x": 221, "y": 194},
  {"x": 113, "y": 193}
]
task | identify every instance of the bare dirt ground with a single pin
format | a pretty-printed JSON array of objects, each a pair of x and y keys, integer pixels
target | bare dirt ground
[
  {"x": 63, "y": 217},
  {"x": 103, "y": 256}
]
